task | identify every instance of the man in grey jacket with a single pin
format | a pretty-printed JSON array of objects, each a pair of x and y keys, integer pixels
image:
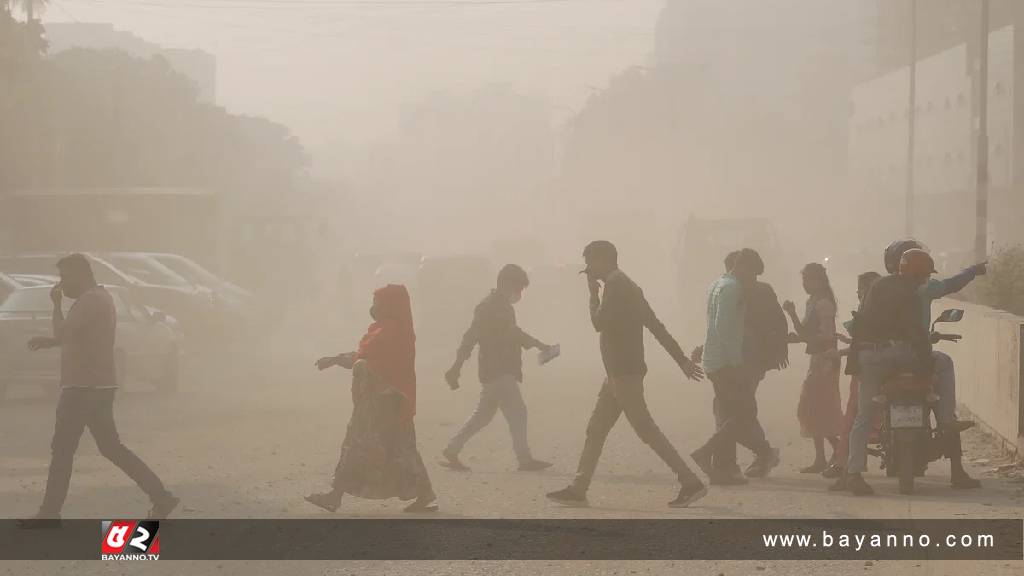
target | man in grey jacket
[{"x": 501, "y": 343}]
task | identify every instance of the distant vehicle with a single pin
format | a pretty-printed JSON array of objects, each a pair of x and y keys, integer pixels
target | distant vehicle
[
  {"x": 192, "y": 306},
  {"x": 147, "y": 345}
]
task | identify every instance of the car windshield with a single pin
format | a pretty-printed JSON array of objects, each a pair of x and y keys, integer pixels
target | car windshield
[
  {"x": 148, "y": 270},
  {"x": 37, "y": 301},
  {"x": 189, "y": 269},
  {"x": 47, "y": 266}
]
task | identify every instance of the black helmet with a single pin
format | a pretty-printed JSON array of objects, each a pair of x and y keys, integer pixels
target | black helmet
[{"x": 895, "y": 251}]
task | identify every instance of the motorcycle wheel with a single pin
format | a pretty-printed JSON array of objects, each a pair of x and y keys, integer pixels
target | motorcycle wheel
[{"x": 905, "y": 444}]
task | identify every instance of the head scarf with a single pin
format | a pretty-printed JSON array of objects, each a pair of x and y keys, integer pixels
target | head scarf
[{"x": 389, "y": 345}]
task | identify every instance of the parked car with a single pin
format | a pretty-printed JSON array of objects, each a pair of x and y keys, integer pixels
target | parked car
[
  {"x": 164, "y": 267},
  {"x": 192, "y": 306},
  {"x": 147, "y": 342},
  {"x": 11, "y": 282}
]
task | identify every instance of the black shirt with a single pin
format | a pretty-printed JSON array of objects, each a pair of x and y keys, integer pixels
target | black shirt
[
  {"x": 501, "y": 340},
  {"x": 620, "y": 317},
  {"x": 891, "y": 312}
]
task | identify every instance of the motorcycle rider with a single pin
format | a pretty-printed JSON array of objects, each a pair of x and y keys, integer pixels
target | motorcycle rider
[
  {"x": 889, "y": 337},
  {"x": 945, "y": 373}
]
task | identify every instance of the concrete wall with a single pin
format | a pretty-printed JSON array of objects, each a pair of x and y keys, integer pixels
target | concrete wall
[{"x": 989, "y": 368}]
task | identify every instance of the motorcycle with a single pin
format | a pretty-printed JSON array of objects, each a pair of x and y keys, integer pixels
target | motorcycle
[{"x": 907, "y": 439}]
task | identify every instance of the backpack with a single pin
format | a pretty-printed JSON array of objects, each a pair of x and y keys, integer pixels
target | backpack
[{"x": 766, "y": 342}]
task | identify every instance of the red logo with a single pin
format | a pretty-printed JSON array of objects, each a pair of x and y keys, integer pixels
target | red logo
[{"x": 130, "y": 540}]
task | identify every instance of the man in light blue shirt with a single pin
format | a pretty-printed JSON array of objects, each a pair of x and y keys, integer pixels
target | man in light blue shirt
[{"x": 734, "y": 382}]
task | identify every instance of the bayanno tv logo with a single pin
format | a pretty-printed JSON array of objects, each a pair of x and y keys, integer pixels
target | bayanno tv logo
[{"x": 130, "y": 540}]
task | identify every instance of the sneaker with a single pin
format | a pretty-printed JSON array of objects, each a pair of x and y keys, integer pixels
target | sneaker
[
  {"x": 451, "y": 461},
  {"x": 964, "y": 482},
  {"x": 534, "y": 465},
  {"x": 763, "y": 465},
  {"x": 702, "y": 459},
  {"x": 832, "y": 472},
  {"x": 688, "y": 494},
  {"x": 958, "y": 426},
  {"x": 855, "y": 483},
  {"x": 840, "y": 485},
  {"x": 325, "y": 500},
  {"x": 569, "y": 497},
  {"x": 727, "y": 478},
  {"x": 40, "y": 521},
  {"x": 164, "y": 507}
]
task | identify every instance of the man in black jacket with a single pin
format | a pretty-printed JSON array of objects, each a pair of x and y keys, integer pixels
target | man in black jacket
[
  {"x": 501, "y": 343},
  {"x": 889, "y": 337},
  {"x": 620, "y": 316}
]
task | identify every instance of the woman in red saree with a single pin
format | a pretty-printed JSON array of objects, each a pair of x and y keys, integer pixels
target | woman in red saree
[{"x": 379, "y": 458}]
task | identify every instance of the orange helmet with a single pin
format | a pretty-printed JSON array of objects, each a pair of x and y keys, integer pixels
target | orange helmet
[{"x": 917, "y": 263}]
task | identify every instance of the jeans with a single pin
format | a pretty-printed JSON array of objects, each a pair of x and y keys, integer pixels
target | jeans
[
  {"x": 945, "y": 387},
  {"x": 77, "y": 409},
  {"x": 876, "y": 366},
  {"x": 499, "y": 393},
  {"x": 735, "y": 418},
  {"x": 625, "y": 395}
]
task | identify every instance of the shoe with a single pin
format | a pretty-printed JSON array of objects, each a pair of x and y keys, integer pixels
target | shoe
[
  {"x": 958, "y": 426},
  {"x": 840, "y": 485},
  {"x": 702, "y": 459},
  {"x": 964, "y": 482},
  {"x": 420, "y": 505},
  {"x": 727, "y": 478},
  {"x": 855, "y": 483},
  {"x": 325, "y": 500},
  {"x": 534, "y": 466},
  {"x": 763, "y": 465},
  {"x": 569, "y": 497},
  {"x": 452, "y": 462},
  {"x": 833, "y": 471},
  {"x": 815, "y": 468},
  {"x": 688, "y": 494},
  {"x": 40, "y": 521},
  {"x": 164, "y": 507}
]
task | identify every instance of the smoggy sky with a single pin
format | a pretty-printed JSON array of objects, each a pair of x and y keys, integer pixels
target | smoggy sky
[{"x": 339, "y": 72}]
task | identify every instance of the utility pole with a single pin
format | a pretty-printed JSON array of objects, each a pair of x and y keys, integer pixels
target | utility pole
[
  {"x": 981, "y": 188},
  {"x": 911, "y": 121}
]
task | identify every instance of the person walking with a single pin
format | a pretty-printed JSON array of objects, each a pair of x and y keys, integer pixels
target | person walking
[
  {"x": 88, "y": 380},
  {"x": 735, "y": 359},
  {"x": 620, "y": 315},
  {"x": 379, "y": 458},
  {"x": 820, "y": 408},
  {"x": 838, "y": 467},
  {"x": 501, "y": 343}
]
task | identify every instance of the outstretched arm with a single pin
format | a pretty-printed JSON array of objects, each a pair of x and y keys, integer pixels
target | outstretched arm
[
  {"x": 941, "y": 288},
  {"x": 528, "y": 342},
  {"x": 667, "y": 341}
]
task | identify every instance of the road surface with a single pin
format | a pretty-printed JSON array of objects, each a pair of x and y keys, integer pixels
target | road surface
[{"x": 249, "y": 440}]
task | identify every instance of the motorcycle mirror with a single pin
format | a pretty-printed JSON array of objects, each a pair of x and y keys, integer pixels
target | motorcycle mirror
[{"x": 951, "y": 315}]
